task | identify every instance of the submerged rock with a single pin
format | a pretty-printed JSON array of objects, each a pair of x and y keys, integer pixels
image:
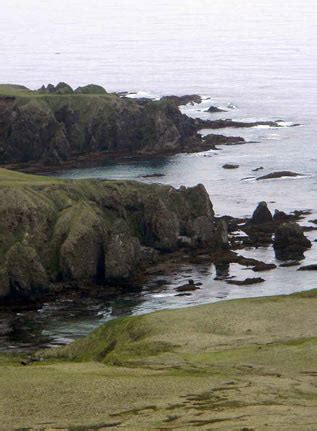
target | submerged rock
[
  {"x": 230, "y": 166},
  {"x": 312, "y": 267},
  {"x": 279, "y": 174},
  {"x": 246, "y": 282}
]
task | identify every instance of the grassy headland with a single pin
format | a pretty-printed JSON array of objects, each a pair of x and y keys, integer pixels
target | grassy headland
[{"x": 237, "y": 365}]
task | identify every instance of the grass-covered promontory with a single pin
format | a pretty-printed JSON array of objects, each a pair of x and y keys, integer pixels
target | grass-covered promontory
[
  {"x": 49, "y": 127},
  {"x": 90, "y": 231},
  {"x": 236, "y": 365}
]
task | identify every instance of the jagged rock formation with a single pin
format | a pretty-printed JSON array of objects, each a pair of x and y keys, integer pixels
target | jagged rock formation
[{"x": 91, "y": 231}]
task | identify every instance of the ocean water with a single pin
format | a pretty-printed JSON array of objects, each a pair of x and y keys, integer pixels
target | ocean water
[{"x": 258, "y": 55}]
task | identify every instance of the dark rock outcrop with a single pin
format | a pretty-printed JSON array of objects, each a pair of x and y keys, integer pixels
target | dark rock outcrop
[
  {"x": 262, "y": 214},
  {"x": 215, "y": 109},
  {"x": 290, "y": 241}
]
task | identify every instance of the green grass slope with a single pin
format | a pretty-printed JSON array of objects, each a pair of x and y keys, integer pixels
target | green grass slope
[{"x": 236, "y": 365}]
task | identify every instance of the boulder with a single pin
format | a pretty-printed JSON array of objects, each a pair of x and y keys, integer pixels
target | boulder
[
  {"x": 262, "y": 214},
  {"x": 290, "y": 241}
]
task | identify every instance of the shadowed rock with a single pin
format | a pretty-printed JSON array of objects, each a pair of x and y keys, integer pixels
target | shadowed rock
[
  {"x": 262, "y": 214},
  {"x": 290, "y": 241}
]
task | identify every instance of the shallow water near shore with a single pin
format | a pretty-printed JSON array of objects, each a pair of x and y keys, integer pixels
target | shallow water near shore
[{"x": 257, "y": 57}]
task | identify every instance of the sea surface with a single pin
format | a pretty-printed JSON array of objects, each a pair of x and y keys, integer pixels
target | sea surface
[{"x": 257, "y": 59}]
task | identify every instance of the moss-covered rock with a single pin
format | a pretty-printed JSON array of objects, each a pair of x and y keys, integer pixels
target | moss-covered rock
[
  {"x": 54, "y": 124},
  {"x": 91, "y": 231},
  {"x": 25, "y": 273},
  {"x": 90, "y": 89}
]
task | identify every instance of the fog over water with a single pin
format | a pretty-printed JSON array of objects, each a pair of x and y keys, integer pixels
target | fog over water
[{"x": 259, "y": 55}]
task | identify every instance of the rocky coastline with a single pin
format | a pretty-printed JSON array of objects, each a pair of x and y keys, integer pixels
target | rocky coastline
[
  {"x": 76, "y": 233},
  {"x": 57, "y": 127}
]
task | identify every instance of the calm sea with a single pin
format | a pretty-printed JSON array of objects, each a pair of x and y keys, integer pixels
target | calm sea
[{"x": 259, "y": 55}]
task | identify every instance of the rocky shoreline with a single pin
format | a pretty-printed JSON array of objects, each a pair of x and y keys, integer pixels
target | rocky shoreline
[{"x": 76, "y": 233}]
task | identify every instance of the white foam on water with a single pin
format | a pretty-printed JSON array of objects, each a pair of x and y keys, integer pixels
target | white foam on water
[{"x": 143, "y": 94}]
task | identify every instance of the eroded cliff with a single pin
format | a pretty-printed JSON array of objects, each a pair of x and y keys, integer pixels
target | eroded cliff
[{"x": 92, "y": 231}]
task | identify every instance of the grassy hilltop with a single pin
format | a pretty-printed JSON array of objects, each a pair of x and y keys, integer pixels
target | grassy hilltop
[{"x": 235, "y": 365}]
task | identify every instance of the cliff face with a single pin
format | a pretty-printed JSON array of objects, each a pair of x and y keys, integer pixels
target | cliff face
[
  {"x": 91, "y": 231},
  {"x": 51, "y": 127}
]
